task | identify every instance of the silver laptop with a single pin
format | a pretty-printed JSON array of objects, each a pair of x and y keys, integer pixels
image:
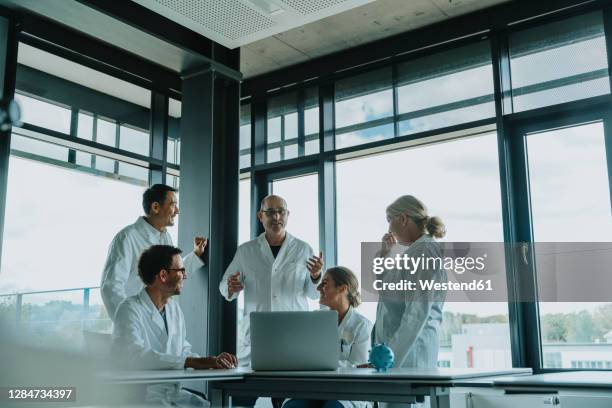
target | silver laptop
[{"x": 294, "y": 341}]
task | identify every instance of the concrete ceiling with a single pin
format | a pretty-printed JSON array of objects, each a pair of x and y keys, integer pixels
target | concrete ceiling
[
  {"x": 372, "y": 21},
  {"x": 361, "y": 25}
]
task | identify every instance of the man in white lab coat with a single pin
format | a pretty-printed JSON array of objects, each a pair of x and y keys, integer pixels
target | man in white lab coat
[
  {"x": 277, "y": 271},
  {"x": 149, "y": 331},
  {"x": 120, "y": 277}
]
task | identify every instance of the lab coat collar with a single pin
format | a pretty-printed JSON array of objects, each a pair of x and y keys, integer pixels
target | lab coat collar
[
  {"x": 265, "y": 246},
  {"x": 422, "y": 239},
  {"x": 148, "y": 229},
  {"x": 156, "y": 318}
]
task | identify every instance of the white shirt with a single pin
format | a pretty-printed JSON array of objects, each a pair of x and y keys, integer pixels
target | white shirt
[
  {"x": 410, "y": 326},
  {"x": 270, "y": 284},
  {"x": 140, "y": 342},
  {"x": 120, "y": 277}
]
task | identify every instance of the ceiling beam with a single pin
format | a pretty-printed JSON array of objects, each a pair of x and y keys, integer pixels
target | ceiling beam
[
  {"x": 96, "y": 54},
  {"x": 167, "y": 30}
]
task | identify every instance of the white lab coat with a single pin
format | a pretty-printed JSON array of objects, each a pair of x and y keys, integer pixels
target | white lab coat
[
  {"x": 140, "y": 342},
  {"x": 409, "y": 325},
  {"x": 120, "y": 277},
  {"x": 281, "y": 284},
  {"x": 355, "y": 343}
]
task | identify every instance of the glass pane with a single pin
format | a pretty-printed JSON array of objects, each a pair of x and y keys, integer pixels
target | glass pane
[
  {"x": 134, "y": 140},
  {"x": 62, "y": 221},
  {"x": 273, "y": 155},
  {"x": 366, "y": 186},
  {"x": 107, "y": 132},
  {"x": 245, "y": 161},
  {"x": 245, "y": 136},
  {"x": 364, "y": 136},
  {"x": 174, "y": 181},
  {"x": 559, "y": 62},
  {"x": 291, "y": 151},
  {"x": 44, "y": 114},
  {"x": 304, "y": 217},
  {"x": 135, "y": 172},
  {"x": 565, "y": 208},
  {"x": 85, "y": 126},
  {"x": 311, "y": 147},
  {"x": 105, "y": 164},
  {"x": 311, "y": 121},
  {"x": 33, "y": 146},
  {"x": 363, "y": 98},
  {"x": 274, "y": 130},
  {"x": 446, "y": 89},
  {"x": 171, "y": 151},
  {"x": 244, "y": 211},
  {"x": 291, "y": 127},
  {"x": 364, "y": 108},
  {"x": 303, "y": 220},
  {"x": 83, "y": 159}
]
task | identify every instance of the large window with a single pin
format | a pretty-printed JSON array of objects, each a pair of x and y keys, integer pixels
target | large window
[
  {"x": 51, "y": 212},
  {"x": 301, "y": 195},
  {"x": 459, "y": 181},
  {"x": 77, "y": 170},
  {"x": 567, "y": 208}
]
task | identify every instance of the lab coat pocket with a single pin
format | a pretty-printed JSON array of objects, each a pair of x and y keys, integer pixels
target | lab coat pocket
[
  {"x": 345, "y": 349},
  {"x": 295, "y": 284}
]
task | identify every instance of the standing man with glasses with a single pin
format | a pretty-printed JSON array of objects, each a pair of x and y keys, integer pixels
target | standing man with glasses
[
  {"x": 120, "y": 276},
  {"x": 277, "y": 271}
]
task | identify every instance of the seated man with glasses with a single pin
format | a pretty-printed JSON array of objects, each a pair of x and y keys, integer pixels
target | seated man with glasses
[{"x": 149, "y": 330}]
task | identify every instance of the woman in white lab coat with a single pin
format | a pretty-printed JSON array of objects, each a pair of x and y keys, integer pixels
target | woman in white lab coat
[
  {"x": 409, "y": 323},
  {"x": 339, "y": 290}
]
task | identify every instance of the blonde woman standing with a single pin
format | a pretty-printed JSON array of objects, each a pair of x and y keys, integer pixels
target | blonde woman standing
[{"x": 409, "y": 323}]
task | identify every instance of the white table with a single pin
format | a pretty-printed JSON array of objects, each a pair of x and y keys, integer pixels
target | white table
[
  {"x": 594, "y": 380},
  {"x": 162, "y": 376},
  {"x": 570, "y": 389},
  {"x": 395, "y": 385}
]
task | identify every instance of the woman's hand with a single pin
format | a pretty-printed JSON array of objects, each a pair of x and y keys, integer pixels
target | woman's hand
[{"x": 388, "y": 241}]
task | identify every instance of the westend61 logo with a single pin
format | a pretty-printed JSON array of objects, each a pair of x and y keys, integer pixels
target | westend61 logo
[{"x": 481, "y": 272}]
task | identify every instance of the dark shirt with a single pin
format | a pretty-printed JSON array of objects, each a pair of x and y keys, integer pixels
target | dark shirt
[
  {"x": 163, "y": 315},
  {"x": 275, "y": 250}
]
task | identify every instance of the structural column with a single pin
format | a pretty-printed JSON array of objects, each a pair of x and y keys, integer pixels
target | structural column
[
  {"x": 8, "y": 67},
  {"x": 209, "y": 202}
]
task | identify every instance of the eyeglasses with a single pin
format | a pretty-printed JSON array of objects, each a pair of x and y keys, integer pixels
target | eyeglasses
[
  {"x": 271, "y": 211},
  {"x": 182, "y": 270}
]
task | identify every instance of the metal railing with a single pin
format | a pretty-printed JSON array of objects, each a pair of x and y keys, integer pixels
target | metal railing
[{"x": 84, "y": 320}]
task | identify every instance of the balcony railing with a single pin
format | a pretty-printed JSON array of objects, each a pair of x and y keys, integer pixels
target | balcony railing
[{"x": 55, "y": 317}]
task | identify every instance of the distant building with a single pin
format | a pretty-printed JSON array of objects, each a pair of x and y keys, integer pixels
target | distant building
[{"x": 487, "y": 345}]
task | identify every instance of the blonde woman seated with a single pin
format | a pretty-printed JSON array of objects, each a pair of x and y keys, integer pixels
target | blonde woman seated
[{"x": 339, "y": 290}]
